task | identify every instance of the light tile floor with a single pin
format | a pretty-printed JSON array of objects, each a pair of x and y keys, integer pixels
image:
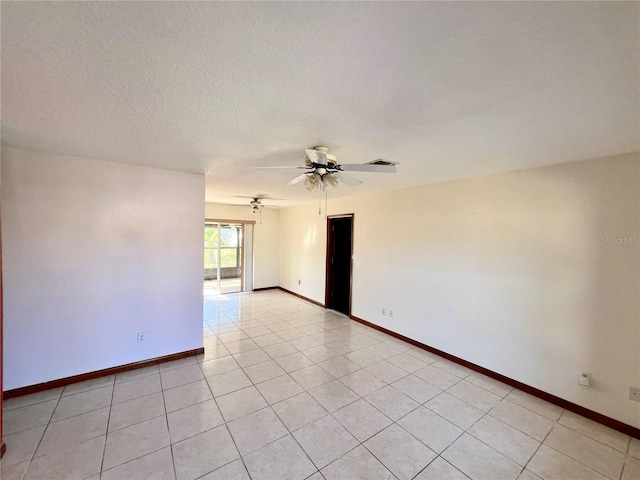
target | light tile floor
[
  {"x": 227, "y": 285},
  {"x": 288, "y": 390}
]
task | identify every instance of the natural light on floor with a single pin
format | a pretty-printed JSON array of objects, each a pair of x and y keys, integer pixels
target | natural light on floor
[{"x": 287, "y": 389}]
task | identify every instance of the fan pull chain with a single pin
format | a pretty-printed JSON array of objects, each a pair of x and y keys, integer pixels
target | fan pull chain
[
  {"x": 326, "y": 196},
  {"x": 320, "y": 202}
]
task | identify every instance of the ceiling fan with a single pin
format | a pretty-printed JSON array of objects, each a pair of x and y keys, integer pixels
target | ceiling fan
[
  {"x": 323, "y": 170},
  {"x": 256, "y": 204}
]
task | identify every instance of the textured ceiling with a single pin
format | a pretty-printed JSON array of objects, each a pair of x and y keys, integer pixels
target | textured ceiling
[{"x": 448, "y": 89}]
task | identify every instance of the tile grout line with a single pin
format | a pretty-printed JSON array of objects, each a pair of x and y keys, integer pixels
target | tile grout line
[
  {"x": 523, "y": 467},
  {"x": 225, "y": 423},
  {"x": 438, "y": 456},
  {"x": 361, "y": 444},
  {"x": 166, "y": 418},
  {"x": 374, "y": 455},
  {"x": 590, "y": 437},
  {"x": 138, "y": 457},
  {"x": 569, "y": 456},
  {"x": 43, "y": 433},
  {"x": 480, "y": 440},
  {"x": 293, "y": 436},
  {"x": 542, "y": 443},
  {"x": 106, "y": 433}
]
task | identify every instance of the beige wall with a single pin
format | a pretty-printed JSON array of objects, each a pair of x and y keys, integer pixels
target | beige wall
[
  {"x": 94, "y": 253},
  {"x": 520, "y": 273},
  {"x": 265, "y": 241}
]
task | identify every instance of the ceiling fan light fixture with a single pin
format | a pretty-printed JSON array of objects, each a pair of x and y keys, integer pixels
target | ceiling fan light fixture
[
  {"x": 322, "y": 181},
  {"x": 312, "y": 181},
  {"x": 330, "y": 181},
  {"x": 255, "y": 209}
]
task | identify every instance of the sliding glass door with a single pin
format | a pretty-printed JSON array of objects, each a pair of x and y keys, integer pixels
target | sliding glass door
[{"x": 223, "y": 256}]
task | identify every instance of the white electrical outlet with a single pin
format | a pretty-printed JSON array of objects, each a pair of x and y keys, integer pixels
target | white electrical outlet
[
  {"x": 384, "y": 312},
  {"x": 634, "y": 394},
  {"x": 142, "y": 336},
  {"x": 391, "y": 313},
  {"x": 584, "y": 379}
]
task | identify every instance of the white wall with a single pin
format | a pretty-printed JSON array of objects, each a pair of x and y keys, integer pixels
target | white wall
[
  {"x": 265, "y": 238},
  {"x": 95, "y": 252},
  {"x": 512, "y": 272},
  {"x": 303, "y": 248}
]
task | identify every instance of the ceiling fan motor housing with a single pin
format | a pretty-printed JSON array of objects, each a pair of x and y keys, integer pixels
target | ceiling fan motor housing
[{"x": 331, "y": 159}]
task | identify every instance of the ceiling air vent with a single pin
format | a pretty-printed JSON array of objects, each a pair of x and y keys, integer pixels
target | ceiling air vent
[{"x": 382, "y": 161}]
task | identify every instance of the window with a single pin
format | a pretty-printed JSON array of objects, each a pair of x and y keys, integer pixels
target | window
[{"x": 226, "y": 237}]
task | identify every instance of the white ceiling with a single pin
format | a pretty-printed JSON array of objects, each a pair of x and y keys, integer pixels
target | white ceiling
[{"x": 447, "y": 89}]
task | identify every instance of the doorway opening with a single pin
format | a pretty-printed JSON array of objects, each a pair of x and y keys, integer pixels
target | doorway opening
[
  {"x": 223, "y": 257},
  {"x": 339, "y": 263}
]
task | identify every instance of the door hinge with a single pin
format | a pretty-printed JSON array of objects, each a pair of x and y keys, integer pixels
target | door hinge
[
  {"x": 333, "y": 228},
  {"x": 332, "y": 261}
]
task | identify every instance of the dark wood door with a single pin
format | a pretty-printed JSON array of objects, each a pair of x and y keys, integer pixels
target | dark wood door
[{"x": 339, "y": 252}]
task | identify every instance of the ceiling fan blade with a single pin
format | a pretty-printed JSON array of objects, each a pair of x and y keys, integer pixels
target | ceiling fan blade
[
  {"x": 316, "y": 156},
  {"x": 259, "y": 197},
  {"x": 297, "y": 179},
  {"x": 347, "y": 179},
  {"x": 262, "y": 168},
  {"x": 368, "y": 168}
]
